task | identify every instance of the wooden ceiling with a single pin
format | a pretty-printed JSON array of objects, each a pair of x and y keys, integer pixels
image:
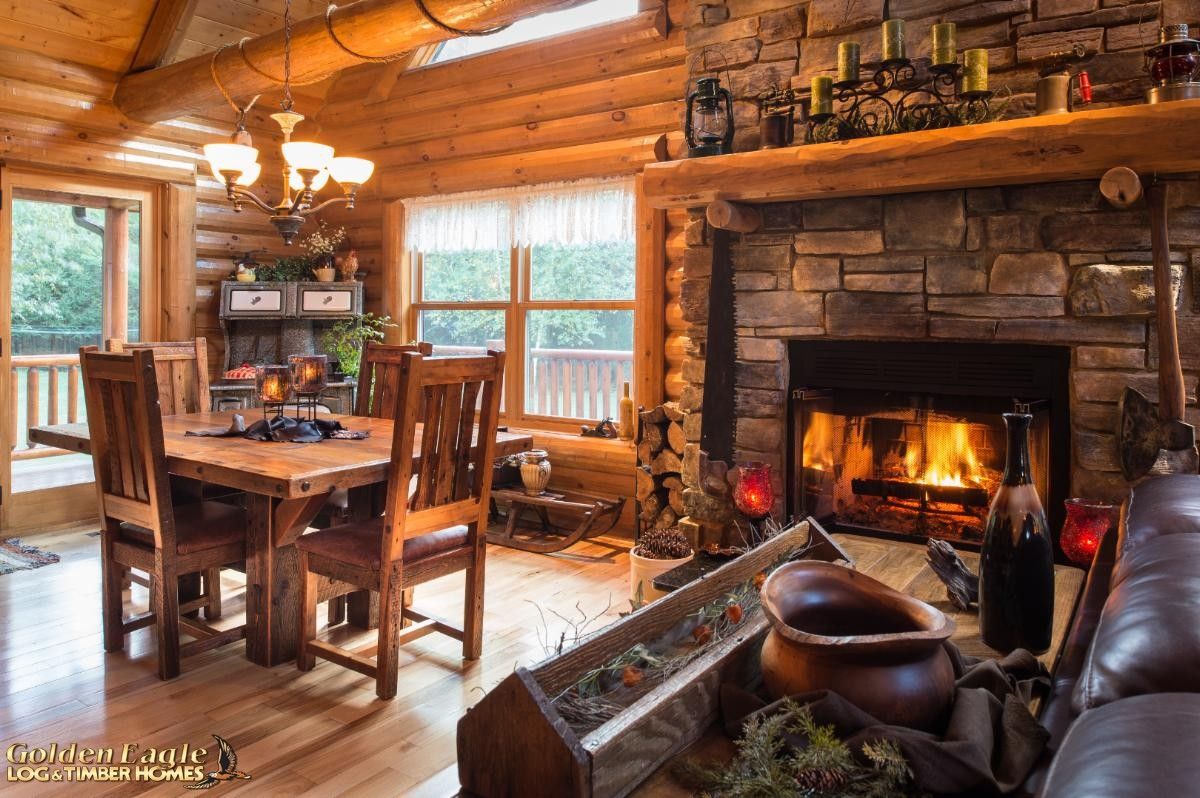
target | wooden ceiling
[{"x": 105, "y": 34}]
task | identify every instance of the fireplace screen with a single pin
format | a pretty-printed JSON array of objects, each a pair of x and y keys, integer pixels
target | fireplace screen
[{"x": 905, "y": 464}]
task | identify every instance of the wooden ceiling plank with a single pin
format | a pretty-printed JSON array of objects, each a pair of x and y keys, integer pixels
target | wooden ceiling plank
[
  {"x": 164, "y": 34},
  {"x": 378, "y": 27}
]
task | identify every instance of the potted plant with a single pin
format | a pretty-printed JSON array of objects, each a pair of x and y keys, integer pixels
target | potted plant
[
  {"x": 284, "y": 270},
  {"x": 657, "y": 552},
  {"x": 345, "y": 339},
  {"x": 320, "y": 246}
]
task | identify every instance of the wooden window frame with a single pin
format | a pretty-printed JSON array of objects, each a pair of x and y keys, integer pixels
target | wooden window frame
[{"x": 519, "y": 304}]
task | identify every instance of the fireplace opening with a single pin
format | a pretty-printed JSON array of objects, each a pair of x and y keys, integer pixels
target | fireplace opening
[{"x": 907, "y": 440}]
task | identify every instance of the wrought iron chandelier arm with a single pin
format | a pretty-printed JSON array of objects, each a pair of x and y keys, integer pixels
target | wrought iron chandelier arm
[
  {"x": 236, "y": 192},
  {"x": 327, "y": 203}
]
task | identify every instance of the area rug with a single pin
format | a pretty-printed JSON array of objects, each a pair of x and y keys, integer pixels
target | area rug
[{"x": 17, "y": 556}]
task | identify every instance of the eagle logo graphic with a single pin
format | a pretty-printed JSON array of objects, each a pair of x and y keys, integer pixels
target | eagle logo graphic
[{"x": 228, "y": 771}]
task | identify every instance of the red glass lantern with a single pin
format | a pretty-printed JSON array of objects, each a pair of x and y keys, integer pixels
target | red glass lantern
[
  {"x": 1087, "y": 523},
  {"x": 754, "y": 495},
  {"x": 1174, "y": 65}
]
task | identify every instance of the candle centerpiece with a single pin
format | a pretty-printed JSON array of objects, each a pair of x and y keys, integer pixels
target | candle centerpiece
[
  {"x": 273, "y": 384},
  {"x": 309, "y": 379},
  {"x": 902, "y": 95}
]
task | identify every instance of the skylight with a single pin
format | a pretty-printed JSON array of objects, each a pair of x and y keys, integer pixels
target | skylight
[{"x": 542, "y": 26}]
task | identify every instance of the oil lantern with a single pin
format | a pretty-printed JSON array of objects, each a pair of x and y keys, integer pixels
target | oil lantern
[
  {"x": 709, "y": 123},
  {"x": 1173, "y": 64}
]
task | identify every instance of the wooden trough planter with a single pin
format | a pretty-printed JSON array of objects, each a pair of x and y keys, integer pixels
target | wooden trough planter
[{"x": 515, "y": 743}]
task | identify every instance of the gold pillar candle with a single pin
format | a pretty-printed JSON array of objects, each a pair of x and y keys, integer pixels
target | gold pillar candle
[
  {"x": 848, "y": 57},
  {"x": 975, "y": 71},
  {"x": 893, "y": 40},
  {"x": 945, "y": 43},
  {"x": 822, "y": 95}
]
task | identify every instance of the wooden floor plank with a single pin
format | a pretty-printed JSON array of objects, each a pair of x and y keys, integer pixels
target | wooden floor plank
[{"x": 321, "y": 733}]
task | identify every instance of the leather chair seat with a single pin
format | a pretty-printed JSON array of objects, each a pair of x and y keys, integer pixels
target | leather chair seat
[
  {"x": 1142, "y": 747},
  {"x": 1148, "y": 638},
  {"x": 199, "y": 526},
  {"x": 361, "y": 543}
]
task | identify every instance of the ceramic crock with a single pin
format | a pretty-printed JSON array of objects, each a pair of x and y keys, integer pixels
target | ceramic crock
[
  {"x": 833, "y": 628},
  {"x": 535, "y": 471}
]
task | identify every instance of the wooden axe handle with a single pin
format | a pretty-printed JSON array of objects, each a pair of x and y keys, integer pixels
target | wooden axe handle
[{"x": 1171, "y": 393}]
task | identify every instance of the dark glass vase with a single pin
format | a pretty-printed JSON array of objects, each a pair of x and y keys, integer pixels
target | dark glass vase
[{"x": 1016, "y": 572}]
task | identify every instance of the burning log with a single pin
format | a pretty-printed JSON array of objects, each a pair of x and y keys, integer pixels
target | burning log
[{"x": 919, "y": 492}]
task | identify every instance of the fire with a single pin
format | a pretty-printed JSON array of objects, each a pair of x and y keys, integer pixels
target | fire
[
  {"x": 818, "y": 442},
  {"x": 941, "y": 453}
]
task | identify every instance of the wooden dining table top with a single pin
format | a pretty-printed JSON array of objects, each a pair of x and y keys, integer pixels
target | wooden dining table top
[{"x": 283, "y": 470}]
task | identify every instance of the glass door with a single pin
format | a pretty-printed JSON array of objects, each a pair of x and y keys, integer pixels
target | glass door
[{"x": 74, "y": 277}]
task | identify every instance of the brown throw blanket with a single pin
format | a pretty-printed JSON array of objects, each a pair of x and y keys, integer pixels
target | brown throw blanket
[{"x": 989, "y": 745}]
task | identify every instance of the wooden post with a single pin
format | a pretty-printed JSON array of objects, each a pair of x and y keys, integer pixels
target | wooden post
[
  {"x": 177, "y": 255},
  {"x": 115, "y": 321},
  {"x": 374, "y": 27},
  {"x": 397, "y": 274},
  {"x": 648, "y": 333}
]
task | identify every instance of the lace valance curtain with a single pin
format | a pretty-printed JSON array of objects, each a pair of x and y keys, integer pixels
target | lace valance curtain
[{"x": 565, "y": 214}]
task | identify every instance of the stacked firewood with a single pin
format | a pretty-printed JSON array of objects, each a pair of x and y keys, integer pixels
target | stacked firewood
[{"x": 659, "y": 488}]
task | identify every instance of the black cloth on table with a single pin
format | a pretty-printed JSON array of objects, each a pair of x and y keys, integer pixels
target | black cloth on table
[{"x": 282, "y": 429}]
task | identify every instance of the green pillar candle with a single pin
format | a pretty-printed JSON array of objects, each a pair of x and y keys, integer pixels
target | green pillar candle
[
  {"x": 848, "y": 62},
  {"x": 975, "y": 71},
  {"x": 945, "y": 43},
  {"x": 893, "y": 40},
  {"x": 822, "y": 95}
]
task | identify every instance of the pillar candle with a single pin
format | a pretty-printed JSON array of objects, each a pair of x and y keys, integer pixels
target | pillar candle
[
  {"x": 893, "y": 40},
  {"x": 848, "y": 62},
  {"x": 822, "y": 95},
  {"x": 945, "y": 43},
  {"x": 975, "y": 70}
]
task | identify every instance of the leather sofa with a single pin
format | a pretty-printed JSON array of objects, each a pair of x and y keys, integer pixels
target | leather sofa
[{"x": 1124, "y": 716}]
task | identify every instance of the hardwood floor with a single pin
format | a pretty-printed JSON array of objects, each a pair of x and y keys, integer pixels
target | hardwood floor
[{"x": 322, "y": 733}]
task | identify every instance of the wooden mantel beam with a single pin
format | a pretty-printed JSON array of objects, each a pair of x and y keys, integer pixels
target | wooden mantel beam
[
  {"x": 372, "y": 27},
  {"x": 1044, "y": 149}
]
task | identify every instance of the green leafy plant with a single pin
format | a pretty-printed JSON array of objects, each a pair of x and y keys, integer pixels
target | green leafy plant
[
  {"x": 285, "y": 270},
  {"x": 346, "y": 339},
  {"x": 768, "y": 765}
]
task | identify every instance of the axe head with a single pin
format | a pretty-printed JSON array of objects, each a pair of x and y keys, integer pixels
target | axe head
[{"x": 1143, "y": 435}]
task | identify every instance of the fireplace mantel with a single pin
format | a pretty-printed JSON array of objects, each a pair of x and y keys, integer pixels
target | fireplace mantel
[{"x": 1048, "y": 149}]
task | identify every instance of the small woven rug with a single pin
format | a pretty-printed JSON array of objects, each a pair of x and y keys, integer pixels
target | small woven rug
[{"x": 17, "y": 556}]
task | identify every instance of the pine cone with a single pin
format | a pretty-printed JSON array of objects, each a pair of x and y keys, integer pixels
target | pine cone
[
  {"x": 822, "y": 780},
  {"x": 664, "y": 544}
]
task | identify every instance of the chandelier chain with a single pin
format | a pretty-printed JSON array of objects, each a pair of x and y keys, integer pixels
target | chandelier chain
[
  {"x": 379, "y": 59},
  {"x": 437, "y": 23}
]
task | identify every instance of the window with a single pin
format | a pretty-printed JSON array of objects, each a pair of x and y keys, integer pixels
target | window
[
  {"x": 546, "y": 273},
  {"x": 541, "y": 26}
]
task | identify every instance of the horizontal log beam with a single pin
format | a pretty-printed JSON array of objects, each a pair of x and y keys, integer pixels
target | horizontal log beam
[
  {"x": 1046, "y": 149},
  {"x": 373, "y": 27}
]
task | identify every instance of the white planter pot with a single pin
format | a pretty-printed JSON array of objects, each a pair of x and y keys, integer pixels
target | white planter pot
[{"x": 643, "y": 570}]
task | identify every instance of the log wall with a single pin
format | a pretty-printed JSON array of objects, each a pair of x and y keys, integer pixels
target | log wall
[{"x": 55, "y": 115}]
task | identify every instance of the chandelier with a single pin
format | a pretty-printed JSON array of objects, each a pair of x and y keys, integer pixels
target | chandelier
[{"x": 307, "y": 165}]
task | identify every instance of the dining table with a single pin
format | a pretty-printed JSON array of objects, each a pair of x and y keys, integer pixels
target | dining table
[{"x": 286, "y": 485}]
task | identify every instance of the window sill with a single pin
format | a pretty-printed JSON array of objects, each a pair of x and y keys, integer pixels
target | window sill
[{"x": 614, "y": 449}]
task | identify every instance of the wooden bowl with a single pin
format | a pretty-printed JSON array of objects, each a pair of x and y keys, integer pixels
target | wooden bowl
[{"x": 836, "y": 629}]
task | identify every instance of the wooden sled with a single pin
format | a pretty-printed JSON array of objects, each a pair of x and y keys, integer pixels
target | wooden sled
[{"x": 597, "y": 516}]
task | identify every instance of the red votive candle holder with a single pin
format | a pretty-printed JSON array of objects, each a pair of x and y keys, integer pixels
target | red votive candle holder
[
  {"x": 754, "y": 495},
  {"x": 1087, "y": 522}
]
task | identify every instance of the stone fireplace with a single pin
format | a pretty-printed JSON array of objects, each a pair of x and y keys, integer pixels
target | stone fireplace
[
  {"x": 1028, "y": 267},
  {"x": 907, "y": 439}
]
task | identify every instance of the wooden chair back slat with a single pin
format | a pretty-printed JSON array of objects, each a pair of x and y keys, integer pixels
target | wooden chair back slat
[
  {"x": 182, "y": 372},
  {"x": 445, "y": 494},
  {"x": 125, "y": 426},
  {"x": 379, "y": 377}
]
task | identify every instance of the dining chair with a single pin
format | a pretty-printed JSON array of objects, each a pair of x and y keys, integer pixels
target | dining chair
[
  {"x": 183, "y": 387},
  {"x": 140, "y": 525},
  {"x": 433, "y": 525},
  {"x": 378, "y": 387}
]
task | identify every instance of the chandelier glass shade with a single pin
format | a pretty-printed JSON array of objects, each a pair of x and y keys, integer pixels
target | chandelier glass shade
[{"x": 307, "y": 165}]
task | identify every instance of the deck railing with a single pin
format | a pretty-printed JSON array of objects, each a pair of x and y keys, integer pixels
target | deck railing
[
  {"x": 574, "y": 383},
  {"x": 45, "y": 389}
]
